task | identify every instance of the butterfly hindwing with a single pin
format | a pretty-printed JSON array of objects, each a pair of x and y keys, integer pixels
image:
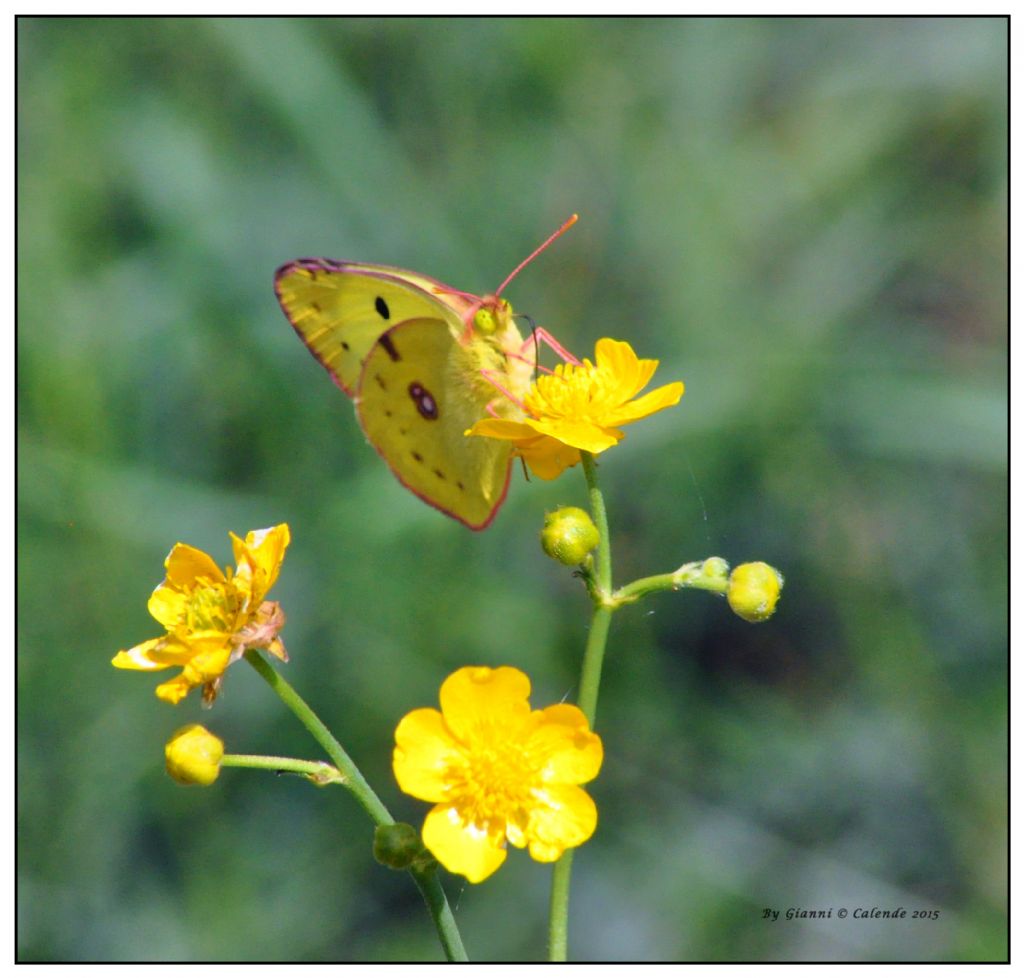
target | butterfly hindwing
[{"x": 416, "y": 399}]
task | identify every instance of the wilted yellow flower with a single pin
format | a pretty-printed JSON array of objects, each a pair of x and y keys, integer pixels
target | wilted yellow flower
[
  {"x": 193, "y": 755},
  {"x": 212, "y": 617},
  {"x": 497, "y": 771},
  {"x": 580, "y": 407}
]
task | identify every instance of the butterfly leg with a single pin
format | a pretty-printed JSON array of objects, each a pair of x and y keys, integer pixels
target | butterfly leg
[
  {"x": 540, "y": 334},
  {"x": 491, "y": 379}
]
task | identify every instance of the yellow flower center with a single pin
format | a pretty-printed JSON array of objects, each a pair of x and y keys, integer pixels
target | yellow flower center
[
  {"x": 580, "y": 391},
  {"x": 211, "y": 606},
  {"x": 493, "y": 785}
]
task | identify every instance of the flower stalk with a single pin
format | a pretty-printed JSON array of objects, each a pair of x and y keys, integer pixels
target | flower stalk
[
  {"x": 426, "y": 880},
  {"x": 318, "y": 772},
  {"x": 590, "y": 683}
]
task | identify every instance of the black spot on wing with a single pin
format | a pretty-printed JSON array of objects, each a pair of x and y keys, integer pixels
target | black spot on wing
[
  {"x": 389, "y": 347},
  {"x": 417, "y": 456},
  {"x": 382, "y": 307},
  {"x": 424, "y": 401}
]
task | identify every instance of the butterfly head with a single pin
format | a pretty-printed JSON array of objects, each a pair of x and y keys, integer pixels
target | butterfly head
[{"x": 492, "y": 316}]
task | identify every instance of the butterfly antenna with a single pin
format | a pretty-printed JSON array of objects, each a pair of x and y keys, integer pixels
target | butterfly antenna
[{"x": 526, "y": 261}]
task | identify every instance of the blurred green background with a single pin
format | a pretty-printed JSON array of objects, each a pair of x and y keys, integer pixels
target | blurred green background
[{"x": 805, "y": 220}]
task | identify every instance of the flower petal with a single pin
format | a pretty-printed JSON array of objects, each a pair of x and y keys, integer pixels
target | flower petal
[
  {"x": 547, "y": 457},
  {"x": 573, "y": 753},
  {"x": 259, "y": 557},
  {"x": 460, "y": 848},
  {"x": 564, "y": 816},
  {"x": 656, "y": 400},
  {"x": 168, "y": 604},
  {"x": 175, "y": 690},
  {"x": 140, "y": 656},
  {"x": 211, "y": 655},
  {"x": 482, "y": 703},
  {"x": 503, "y": 429},
  {"x": 424, "y": 752},
  {"x": 584, "y": 435},
  {"x": 616, "y": 360},
  {"x": 185, "y": 565}
]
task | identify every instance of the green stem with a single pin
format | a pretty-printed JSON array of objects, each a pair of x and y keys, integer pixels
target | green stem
[
  {"x": 705, "y": 575},
  {"x": 355, "y": 781},
  {"x": 317, "y": 771},
  {"x": 428, "y": 883},
  {"x": 590, "y": 683}
]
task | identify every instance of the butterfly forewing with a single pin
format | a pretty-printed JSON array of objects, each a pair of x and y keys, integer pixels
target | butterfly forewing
[{"x": 339, "y": 309}]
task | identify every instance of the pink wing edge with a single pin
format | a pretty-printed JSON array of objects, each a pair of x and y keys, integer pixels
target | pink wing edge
[{"x": 475, "y": 527}]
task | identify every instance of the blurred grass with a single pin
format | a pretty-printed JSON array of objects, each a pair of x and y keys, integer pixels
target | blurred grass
[{"x": 805, "y": 219}]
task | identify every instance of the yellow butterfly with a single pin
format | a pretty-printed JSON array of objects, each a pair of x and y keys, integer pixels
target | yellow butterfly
[{"x": 422, "y": 362}]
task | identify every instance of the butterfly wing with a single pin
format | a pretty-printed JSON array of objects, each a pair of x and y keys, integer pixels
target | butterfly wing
[
  {"x": 339, "y": 309},
  {"x": 418, "y": 393}
]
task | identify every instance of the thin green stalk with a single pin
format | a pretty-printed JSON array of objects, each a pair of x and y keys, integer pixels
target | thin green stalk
[
  {"x": 318, "y": 772},
  {"x": 705, "y": 575},
  {"x": 428, "y": 883},
  {"x": 593, "y": 656},
  {"x": 355, "y": 781},
  {"x": 590, "y": 683}
]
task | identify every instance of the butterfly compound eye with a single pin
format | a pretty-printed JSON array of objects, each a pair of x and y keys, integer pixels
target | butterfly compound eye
[
  {"x": 492, "y": 318},
  {"x": 485, "y": 321}
]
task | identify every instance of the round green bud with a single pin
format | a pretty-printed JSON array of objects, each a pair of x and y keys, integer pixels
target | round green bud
[
  {"x": 569, "y": 535},
  {"x": 396, "y": 846},
  {"x": 193, "y": 755},
  {"x": 754, "y": 591},
  {"x": 715, "y": 569}
]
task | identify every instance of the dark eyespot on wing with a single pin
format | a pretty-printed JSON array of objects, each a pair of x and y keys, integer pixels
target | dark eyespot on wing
[
  {"x": 389, "y": 347},
  {"x": 382, "y": 307},
  {"x": 345, "y": 346},
  {"x": 439, "y": 473},
  {"x": 424, "y": 401},
  {"x": 462, "y": 488},
  {"x": 380, "y": 382},
  {"x": 417, "y": 456}
]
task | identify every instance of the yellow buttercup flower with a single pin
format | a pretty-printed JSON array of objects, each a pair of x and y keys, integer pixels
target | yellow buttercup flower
[
  {"x": 580, "y": 407},
  {"x": 497, "y": 772},
  {"x": 212, "y": 617}
]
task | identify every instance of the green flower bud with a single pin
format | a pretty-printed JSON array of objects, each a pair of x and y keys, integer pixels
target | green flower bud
[
  {"x": 396, "y": 846},
  {"x": 754, "y": 591},
  {"x": 193, "y": 755},
  {"x": 715, "y": 569},
  {"x": 569, "y": 535}
]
